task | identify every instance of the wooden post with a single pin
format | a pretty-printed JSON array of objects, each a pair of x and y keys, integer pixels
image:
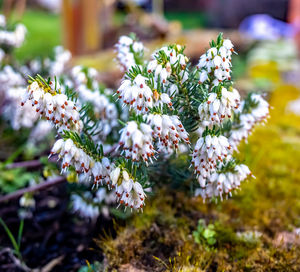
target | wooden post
[
  {"x": 92, "y": 32},
  {"x": 81, "y": 24},
  {"x": 68, "y": 21}
]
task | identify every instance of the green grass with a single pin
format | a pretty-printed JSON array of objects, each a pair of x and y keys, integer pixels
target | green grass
[
  {"x": 44, "y": 32},
  {"x": 189, "y": 20}
]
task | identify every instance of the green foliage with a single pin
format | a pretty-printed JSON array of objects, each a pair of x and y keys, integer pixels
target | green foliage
[
  {"x": 15, "y": 243},
  {"x": 70, "y": 93},
  {"x": 135, "y": 71},
  {"x": 89, "y": 119},
  {"x": 95, "y": 267},
  {"x": 205, "y": 235},
  {"x": 187, "y": 102},
  {"x": 218, "y": 43},
  {"x": 13, "y": 179}
]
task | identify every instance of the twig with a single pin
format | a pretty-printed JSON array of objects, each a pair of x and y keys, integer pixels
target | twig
[
  {"x": 24, "y": 164},
  {"x": 38, "y": 187},
  {"x": 29, "y": 164},
  {"x": 49, "y": 267}
]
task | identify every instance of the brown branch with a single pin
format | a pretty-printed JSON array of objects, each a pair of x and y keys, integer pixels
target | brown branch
[
  {"x": 29, "y": 164},
  {"x": 24, "y": 164},
  {"x": 39, "y": 187}
]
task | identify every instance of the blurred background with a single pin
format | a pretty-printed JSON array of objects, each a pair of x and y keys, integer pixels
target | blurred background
[
  {"x": 56, "y": 236},
  {"x": 89, "y": 29}
]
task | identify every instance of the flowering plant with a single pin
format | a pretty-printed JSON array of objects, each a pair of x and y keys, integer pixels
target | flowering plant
[{"x": 166, "y": 108}]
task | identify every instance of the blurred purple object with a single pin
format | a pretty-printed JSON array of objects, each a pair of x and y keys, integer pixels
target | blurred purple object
[{"x": 265, "y": 27}]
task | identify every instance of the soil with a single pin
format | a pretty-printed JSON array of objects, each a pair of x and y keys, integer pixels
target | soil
[{"x": 51, "y": 233}]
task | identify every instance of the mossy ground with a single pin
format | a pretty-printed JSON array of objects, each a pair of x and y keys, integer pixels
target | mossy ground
[{"x": 160, "y": 239}]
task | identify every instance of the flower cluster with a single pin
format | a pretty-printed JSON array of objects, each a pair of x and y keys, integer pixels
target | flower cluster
[
  {"x": 168, "y": 130},
  {"x": 252, "y": 111},
  {"x": 221, "y": 102},
  {"x": 148, "y": 94},
  {"x": 218, "y": 107},
  {"x": 87, "y": 87},
  {"x": 10, "y": 78},
  {"x": 53, "y": 105},
  {"x": 136, "y": 141},
  {"x": 82, "y": 76},
  {"x": 169, "y": 80},
  {"x": 161, "y": 103},
  {"x": 168, "y": 61},
  {"x": 104, "y": 110},
  {"x": 18, "y": 116},
  {"x": 84, "y": 206},
  {"x": 129, "y": 192},
  {"x": 129, "y": 52},
  {"x": 208, "y": 152},
  {"x": 54, "y": 66},
  {"x": 136, "y": 94},
  {"x": 11, "y": 38},
  {"x": 76, "y": 157},
  {"x": 57, "y": 65},
  {"x": 224, "y": 182},
  {"x": 89, "y": 206},
  {"x": 215, "y": 64}
]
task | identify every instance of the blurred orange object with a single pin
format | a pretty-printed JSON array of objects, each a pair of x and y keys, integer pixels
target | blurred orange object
[
  {"x": 294, "y": 18},
  {"x": 81, "y": 22}
]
